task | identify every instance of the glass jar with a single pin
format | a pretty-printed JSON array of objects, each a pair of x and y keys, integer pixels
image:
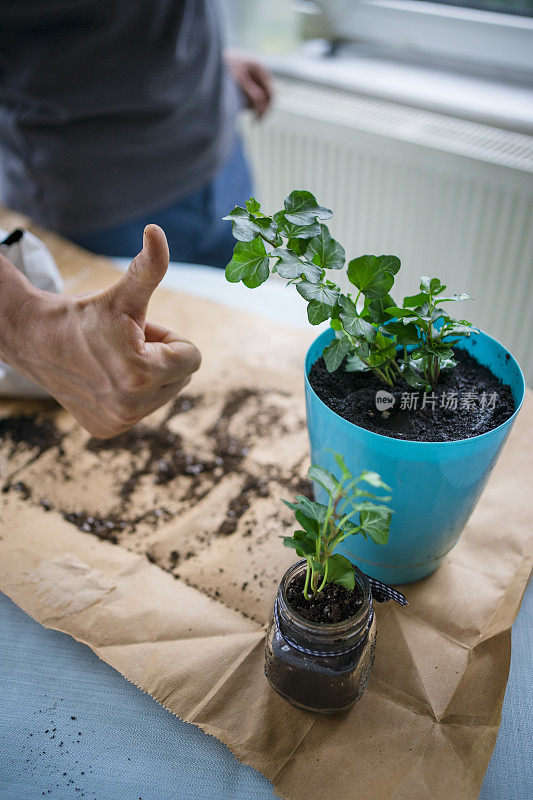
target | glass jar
[{"x": 320, "y": 667}]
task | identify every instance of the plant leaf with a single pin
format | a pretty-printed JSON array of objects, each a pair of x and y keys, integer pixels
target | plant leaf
[
  {"x": 354, "y": 364},
  {"x": 439, "y": 350},
  {"x": 302, "y": 542},
  {"x": 352, "y": 322},
  {"x": 414, "y": 378},
  {"x": 377, "y": 309},
  {"x": 246, "y": 227},
  {"x": 383, "y": 350},
  {"x": 253, "y": 205},
  {"x": 309, "y": 524},
  {"x": 374, "y": 479},
  {"x": 325, "y": 478},
  {"x": 316, "y": 291},
  {"x": 341, "y": 463},
  {"x": 431, "y": 285},
  {"x": 249, "y": 264},
  {"x": 368, "y": 505},
  {"x": 376, "y": 525},
  {"x": 324, "y": 251},
  {"x": 311, "y": 509},
  {"x": 291, "y": 231},
  {"x": 416, "y": 300},
  {"x": 290, "y": 266},
  {"x": 391, "y": 263},
  {"x": 455, "y": 298},
  {"x": 341, "y": 571},
  {"x": 406, "y": 334},
  {"x": 335, "y": 352},
  {"x": 460, "y": 329},
  {"x": 373, "y": 275},
  {"x": 292, "y": 506},
  {"x": 318, "y": 312},
  {"x": 408, "y": 314},
  {"x": 298, "y": 246},
  {"x": 301, "y": 208},
  {"x": 350, "y": 528}
]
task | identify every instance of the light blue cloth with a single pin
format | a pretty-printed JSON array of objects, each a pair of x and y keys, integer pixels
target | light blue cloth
[{"x": 128, "y": 747}]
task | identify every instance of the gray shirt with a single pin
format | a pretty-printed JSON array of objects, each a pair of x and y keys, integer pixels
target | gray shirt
[{"x": 109, "y": 109}]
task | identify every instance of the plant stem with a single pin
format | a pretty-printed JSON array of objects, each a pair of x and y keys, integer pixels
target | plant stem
[
  {"x": 381, "y": 375},
  {"x": 396, "y": 367},
  {"x": 314, "y": 579},
  {"x": 307, "y": 575},
  {"x": 269, "y": 241},
  {"x": 325, "y": 579}
]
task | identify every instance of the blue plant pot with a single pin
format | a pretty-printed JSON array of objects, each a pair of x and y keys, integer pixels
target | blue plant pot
[{"x": 435, "y": 485}]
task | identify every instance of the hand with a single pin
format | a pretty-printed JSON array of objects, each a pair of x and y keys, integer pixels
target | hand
[
  {"x": 254, "y": 80},
  {"x": 97, "y": 354}
]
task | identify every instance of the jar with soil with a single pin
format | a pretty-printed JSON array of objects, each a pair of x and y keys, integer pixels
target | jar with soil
[{"x": 319, "y": 653}]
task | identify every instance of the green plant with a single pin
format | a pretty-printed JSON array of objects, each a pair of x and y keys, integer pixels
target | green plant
[
  {"x": 372, "y": 332},
  {"x": 429, "y": 328},
  {"x": 323, "y": 527}
]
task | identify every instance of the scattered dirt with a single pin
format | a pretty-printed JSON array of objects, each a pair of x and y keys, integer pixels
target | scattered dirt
[
  {"x": 152, "y": 478},
  {"x": 30, "y": 432},
  {"x": 228, "y": 449},
  {"x": 333, "y": 604},
  {"x": 103, "y": 528},
  {"x": 161, "y": 448},
  {"x": 253, "y": 487},
  {"x": 55, "y": 754},
  {"x": 18, "y": 486},
  {"x": 467, "y": 401}
]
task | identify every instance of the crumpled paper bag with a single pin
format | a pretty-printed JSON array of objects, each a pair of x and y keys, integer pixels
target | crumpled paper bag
[
  {"x": 180, "y": 603},
  {"x": 35, "y": 261}
]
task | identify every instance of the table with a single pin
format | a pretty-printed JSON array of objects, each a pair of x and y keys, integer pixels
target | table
[{"x": 72, "y": 727}]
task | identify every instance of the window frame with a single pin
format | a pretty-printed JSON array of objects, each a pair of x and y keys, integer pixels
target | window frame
[{"x": 437, "y": 31}]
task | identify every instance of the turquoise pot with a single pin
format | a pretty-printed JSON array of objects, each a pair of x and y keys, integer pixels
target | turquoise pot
[{"x": 435, "y": 485}]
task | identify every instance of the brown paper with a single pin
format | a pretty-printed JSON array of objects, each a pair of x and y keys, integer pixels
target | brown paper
[{"x": 179, "y": 607}]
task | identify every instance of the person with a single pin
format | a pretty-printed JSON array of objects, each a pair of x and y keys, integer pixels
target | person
[
  {"x": 117, "y": 114},
  {"x": 114, "y": 115},
  {"x": 97, "y": 354}
]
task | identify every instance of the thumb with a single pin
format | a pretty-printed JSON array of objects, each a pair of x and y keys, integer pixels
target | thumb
[{"x": 132, "y": 293}]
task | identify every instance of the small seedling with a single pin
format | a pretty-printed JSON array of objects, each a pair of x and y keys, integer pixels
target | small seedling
[
  {"x": 324, "y": 527},
  {"x": 429, "y": 328},
  {"x": 372, "y": 333}
]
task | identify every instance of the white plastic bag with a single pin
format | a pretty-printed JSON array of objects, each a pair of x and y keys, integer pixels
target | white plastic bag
[{"x": 35, "y": 261}]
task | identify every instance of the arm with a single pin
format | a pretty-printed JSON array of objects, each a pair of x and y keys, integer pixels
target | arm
[{"x": 97, "y": 354}]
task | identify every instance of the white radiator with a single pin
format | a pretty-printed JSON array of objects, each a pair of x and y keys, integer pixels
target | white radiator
[{"x": 451, "y": 198}]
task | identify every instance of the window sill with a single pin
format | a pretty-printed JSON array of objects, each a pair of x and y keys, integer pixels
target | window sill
[{"x": 494, "y": 102}]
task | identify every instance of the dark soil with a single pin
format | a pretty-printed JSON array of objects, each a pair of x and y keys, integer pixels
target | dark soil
[
  {"x": 103, "y": 528},
  {"x": 19, "y": 486},
  {"x": 164, "y": 458},
  {"x": 352, "y": 395},
  {"x": 333, "y": 604},
  {"x": 31, "y": 432},
  {"x": 239, "y": 505}
]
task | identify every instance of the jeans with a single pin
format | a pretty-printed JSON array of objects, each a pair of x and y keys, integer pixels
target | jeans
[{"x": 194, "y": 227}]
